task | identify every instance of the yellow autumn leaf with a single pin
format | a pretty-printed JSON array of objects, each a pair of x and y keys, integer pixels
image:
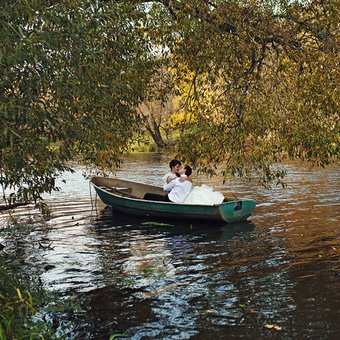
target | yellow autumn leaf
[{"x": 276, "y": 327}]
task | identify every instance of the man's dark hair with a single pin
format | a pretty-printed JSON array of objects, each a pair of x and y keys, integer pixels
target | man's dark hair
[
  {"x": 174, "y": 162},
  {"x": 188, "y": 170}
]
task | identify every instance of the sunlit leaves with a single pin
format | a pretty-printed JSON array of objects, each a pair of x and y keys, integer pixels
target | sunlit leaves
[{"x": 264, "y": 85}]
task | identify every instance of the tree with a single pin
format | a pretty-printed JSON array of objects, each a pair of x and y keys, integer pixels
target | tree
[
  {"x": 71, "y": 75},
  {"x": 160, "y": 105},
  {"x": 264, "y": 84},
  {"x": 157, "y": 120},
  {"x": 258, "y": 78}
]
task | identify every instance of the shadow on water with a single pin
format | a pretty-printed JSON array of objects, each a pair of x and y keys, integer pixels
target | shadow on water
[
  {"x": 152, "y": 272},
  {"x": 109, "y": 218},
  {"x": 197, "y": 280}
]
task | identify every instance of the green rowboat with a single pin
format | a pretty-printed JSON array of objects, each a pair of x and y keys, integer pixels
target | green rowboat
[{"x": 127, "y": 197}]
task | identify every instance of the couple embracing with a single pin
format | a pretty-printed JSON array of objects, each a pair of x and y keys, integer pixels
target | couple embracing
[{"x": 177, "y": 183}]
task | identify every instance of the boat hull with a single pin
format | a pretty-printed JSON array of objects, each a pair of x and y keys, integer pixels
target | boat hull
[{"x": 231, "y": 211}]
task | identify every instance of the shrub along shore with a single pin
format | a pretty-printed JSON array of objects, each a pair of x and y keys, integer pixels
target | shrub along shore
[{"x": 27, "y": 311}]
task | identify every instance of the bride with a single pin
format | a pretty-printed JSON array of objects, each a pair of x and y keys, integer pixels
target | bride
[{"x": 204, "y": 195}]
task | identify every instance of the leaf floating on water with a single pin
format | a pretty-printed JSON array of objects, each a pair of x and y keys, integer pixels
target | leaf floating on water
[
  {"x": 157, "y": 224},
  {"x": 206, "y": 312},
  {"x": 276, "y": 327},
  {"x": 117, "y": 336}
]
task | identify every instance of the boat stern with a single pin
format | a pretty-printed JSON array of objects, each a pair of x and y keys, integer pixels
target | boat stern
[{"x": 237, "y": 210}]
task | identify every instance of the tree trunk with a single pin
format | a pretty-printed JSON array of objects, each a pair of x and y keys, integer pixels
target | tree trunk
[{"x": 155, "y": 133}]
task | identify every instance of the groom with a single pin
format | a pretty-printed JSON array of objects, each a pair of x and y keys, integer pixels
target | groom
[{"x": 178, "y": 188}]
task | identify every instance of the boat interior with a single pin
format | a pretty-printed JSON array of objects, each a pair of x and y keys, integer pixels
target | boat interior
[{"x": 125, "y": 188}]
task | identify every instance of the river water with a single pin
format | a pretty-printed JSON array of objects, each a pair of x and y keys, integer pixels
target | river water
[{"x": 275, "y": 276}]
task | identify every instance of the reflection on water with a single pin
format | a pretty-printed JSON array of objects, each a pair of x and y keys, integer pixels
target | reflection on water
[{"x": 191, "y": 281}]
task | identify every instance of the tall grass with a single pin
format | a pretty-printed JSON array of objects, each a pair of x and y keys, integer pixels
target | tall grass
[{"x": 19, "y": 301}]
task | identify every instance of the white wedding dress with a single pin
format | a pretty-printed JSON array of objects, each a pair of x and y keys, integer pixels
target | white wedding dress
[{"x": 204, "y": 195}]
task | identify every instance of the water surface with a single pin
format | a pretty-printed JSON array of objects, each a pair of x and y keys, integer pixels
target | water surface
[{"x": 274, "y": 276}]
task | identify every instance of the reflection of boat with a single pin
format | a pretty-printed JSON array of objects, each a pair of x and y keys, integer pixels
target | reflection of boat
[{"x": 127, "y": 197}]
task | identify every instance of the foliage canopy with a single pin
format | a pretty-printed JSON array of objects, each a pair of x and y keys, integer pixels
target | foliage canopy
[{"x": 257, "y": 78}]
